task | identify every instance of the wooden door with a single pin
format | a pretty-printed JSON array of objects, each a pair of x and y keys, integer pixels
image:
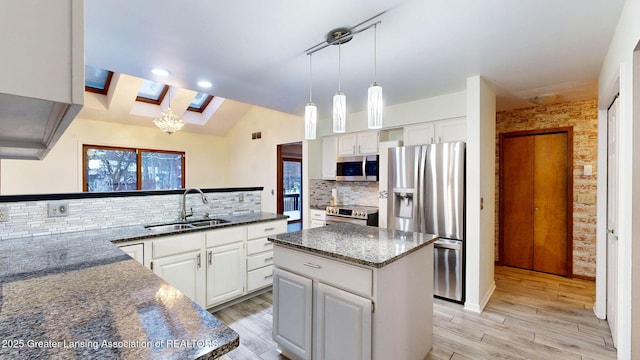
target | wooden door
[{"x": 535, "y": 208}]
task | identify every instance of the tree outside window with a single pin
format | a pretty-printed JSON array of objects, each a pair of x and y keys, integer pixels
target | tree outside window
[{"x": 122, "y": 169}]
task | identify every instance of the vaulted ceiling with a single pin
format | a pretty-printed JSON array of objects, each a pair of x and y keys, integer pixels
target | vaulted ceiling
[{"x": 253, "y": 52}]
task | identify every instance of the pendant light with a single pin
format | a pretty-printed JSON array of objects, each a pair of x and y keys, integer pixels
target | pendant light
[
  {"x": 374, "y": 104},
  {"x": 310, "y": 111},
  {"x": 339, "y": 103},
  {"x": 168, "y": 121}
]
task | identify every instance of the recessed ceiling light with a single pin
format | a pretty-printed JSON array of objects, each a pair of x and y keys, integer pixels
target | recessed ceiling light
[
  {"x": 160, "y": 72},
  {"x": 204, "y": 84}
]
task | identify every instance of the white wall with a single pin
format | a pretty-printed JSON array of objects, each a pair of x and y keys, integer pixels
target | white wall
[
  {"x": 253, "y": 162},
  {"x": 618, "y": 69},
  {"x": 60, "y": 171},
  {"x": 480, "y": 206}
]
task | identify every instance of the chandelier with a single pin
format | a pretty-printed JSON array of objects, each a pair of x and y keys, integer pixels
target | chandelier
[{"x": 168, "y": 121}]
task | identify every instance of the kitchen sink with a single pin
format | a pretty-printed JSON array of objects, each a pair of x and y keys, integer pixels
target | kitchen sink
[
  {"x": 169, "y": 227},
  {"x": 209, "y": 222}
]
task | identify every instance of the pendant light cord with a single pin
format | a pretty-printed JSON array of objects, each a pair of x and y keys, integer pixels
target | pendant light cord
[
  {"x": 375, "y": 53},
  {"x": 310, "y": 76},
  {"x": 339, "y": 68}
]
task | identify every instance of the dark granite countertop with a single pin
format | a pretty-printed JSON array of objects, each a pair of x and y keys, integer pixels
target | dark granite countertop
[
  {"x": 77, "y": 295},
  {"x": 364, "y": 245}
]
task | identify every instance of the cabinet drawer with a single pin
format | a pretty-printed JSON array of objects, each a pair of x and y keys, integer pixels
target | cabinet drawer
[
  {"x": 259, "y": 260},
  {"x": 225, "y": 236},
  {"x": 177, "y": 244},
  {"x": 255, "y": 231},
  {"x": 348, "y": 277},
  {"x": 318, "y": 215},
  {"x": 258, "y": 246},
  {"x": 259, "y": 278}
]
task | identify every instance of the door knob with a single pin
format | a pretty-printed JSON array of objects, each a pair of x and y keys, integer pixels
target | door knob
[{"x": 536, "y": 209}]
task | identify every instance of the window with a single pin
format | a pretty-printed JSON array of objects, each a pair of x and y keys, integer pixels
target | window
[
  {"x": 97, "y": 80},
  {"x": 122, "y": 169},
  {"x": 200, "y": 102},
  {"x": 152, "y": 92}
]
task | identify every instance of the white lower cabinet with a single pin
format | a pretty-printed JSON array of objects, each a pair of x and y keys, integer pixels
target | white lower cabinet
[
  {"x": 318, "y": 218},
  {"x": 136, "y": 251},
  {"x": 184, "y": 272},
  {"x": 225, "y": 273},
  {"x": 292, "y": 315},
  {"x": 260, "y": 253},
  {"x": 342, "y": 324},
  {"x": 335, "y": 322}
]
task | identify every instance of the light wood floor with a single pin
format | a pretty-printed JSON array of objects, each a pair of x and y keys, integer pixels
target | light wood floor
[{"x": 530, "y": 316}]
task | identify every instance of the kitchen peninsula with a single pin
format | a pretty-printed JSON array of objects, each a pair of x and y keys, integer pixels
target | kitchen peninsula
[{"x": 347, "y": 291}]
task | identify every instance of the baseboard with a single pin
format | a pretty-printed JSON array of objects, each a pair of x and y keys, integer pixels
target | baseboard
[
  {"x": 477, "y": 308},
  {"x": 583, "y": 277},
  {"x": 239, "y": 300}
]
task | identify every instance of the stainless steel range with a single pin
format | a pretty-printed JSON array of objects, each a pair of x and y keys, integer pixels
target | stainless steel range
[{"x": 361, "y": 215}]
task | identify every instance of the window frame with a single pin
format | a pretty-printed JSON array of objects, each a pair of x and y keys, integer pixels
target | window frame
[
  {"x": 104, "y": 91},
  {"x": 204, "y": 105},
  {"x": 139, "y": 152},
  {"x": 147, "y": 100}
]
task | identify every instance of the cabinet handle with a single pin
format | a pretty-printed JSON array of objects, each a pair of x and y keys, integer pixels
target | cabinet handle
[
  {"x": 312, "y": 265},
  {"x": 199, "y": 259},
  {"x": 268, "y": 276},
  {"x": 359, "y": 148},
  {"x": 210, "y": 255},
  {"x": 269, "y": 258},
  {"x": 431, "y": 141},
  {"x": 439, "y": 139},
  {"x": 267, "y": 243},
  {"x": 269, "y": 229}
]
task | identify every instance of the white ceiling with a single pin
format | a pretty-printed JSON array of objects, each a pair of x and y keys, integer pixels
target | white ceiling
[{"x": 254, "y": 51}]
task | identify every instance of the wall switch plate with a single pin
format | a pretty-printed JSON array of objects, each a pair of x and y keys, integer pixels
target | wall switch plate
[
  {"x": 4, "y": 214},
  {"x": 57, "y": 209}
]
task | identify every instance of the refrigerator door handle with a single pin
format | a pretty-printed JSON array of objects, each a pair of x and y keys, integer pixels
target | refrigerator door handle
[{"x": 422, "y": 190}]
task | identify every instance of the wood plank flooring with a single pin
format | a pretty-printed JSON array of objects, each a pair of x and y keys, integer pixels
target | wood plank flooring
[{"x": 530, "y": 316}]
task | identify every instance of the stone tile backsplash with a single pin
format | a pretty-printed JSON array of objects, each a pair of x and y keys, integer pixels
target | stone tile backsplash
[
  {"x": 364, "y": 193},
  {"x": 30, "y": 218}
]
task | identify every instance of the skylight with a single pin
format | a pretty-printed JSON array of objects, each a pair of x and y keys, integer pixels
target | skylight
[
  {"x": 200, "y": 102},
  {"x": 97, "y": 80},
  {"x": 152, "y": 92}
]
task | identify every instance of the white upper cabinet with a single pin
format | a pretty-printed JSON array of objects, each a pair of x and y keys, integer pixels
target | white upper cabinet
[
  {"x": 360, "y": 143},
  {"x": 42, "y": 82},
  {"x": 436, "y": 132},
  {"x": 329, "y": 154}
]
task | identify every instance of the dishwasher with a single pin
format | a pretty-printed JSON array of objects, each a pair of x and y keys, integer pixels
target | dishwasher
[{"x": 448, "y": 260}]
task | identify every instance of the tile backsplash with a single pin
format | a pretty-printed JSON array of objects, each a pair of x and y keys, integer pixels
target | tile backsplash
[
  {"x": 30, "y": 218},
  {"x": 363, "y": 193}
]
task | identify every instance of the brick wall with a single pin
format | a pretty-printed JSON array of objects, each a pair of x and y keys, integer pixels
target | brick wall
[{"x": 583, "y": 117}]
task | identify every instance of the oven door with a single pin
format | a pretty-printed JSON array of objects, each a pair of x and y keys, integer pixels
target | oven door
[{"x": 329, "y": 219}]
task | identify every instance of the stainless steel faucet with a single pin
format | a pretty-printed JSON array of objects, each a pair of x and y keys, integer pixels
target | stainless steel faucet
[{"x": 183, "y": 214}]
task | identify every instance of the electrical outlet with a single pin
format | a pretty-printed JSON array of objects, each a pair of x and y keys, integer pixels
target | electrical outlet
[
  {"x": 58, "y": 209},
  {"x": 4, "y": 214},
  {"x": 240, "y": 197}
]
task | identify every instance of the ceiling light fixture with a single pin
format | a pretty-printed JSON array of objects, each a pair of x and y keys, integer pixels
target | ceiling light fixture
[
  {"x": 160, "y": 72},
  {"x": 374, "y": 105},
  {"x": 338, "y": 37},
  {"x": 339, "y": 104},
  {"x": 168, "y": 121},
  {"x": 204, "y": 84},
  {"x": 310, "y": 111}
]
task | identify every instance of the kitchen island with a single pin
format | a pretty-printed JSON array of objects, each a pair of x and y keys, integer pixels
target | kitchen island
[
  {"x": 353, "y": 292},
  {"x": 77, "y": 295}
]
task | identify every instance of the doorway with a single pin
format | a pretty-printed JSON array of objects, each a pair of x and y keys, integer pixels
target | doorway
[
  {"x": 289, "y": 182},
  {"x": 612, "y": 218},
  {"x": 536, "y": 193}
]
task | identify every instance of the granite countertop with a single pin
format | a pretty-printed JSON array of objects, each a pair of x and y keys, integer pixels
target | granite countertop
[
  {"x": 77, "y": 295},
  {"x": 364, "y": 245}
]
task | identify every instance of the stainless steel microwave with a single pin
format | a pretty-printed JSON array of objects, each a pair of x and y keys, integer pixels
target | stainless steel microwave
[{"x": 357, "y": 168}]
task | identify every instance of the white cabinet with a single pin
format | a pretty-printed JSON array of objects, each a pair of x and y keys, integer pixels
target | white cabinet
[
  {"x": 136, "y": 251},
  {"x": 178, "y": 260},
  {"x": 318, "y": 218},
  {"x": 360, "y": 143},
  {"x": 341, "y": 307},
  {"x": 225, "y": 264},
  {"x": 292, "y": 313},
  {"x": 44, "y": 96},
  {"x": 260, "y": 253},
  {"x": 342, "y": 324},
  {"x": 436, "y": 132},
  {"x": 329, "y": 154}
]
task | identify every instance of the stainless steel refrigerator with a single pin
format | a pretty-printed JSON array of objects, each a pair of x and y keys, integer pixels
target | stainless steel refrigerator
[{"x": 426, "y": 190}]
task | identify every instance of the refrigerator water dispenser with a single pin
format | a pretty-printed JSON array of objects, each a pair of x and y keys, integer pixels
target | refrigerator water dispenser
[{"x": 403, "y": 203}]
